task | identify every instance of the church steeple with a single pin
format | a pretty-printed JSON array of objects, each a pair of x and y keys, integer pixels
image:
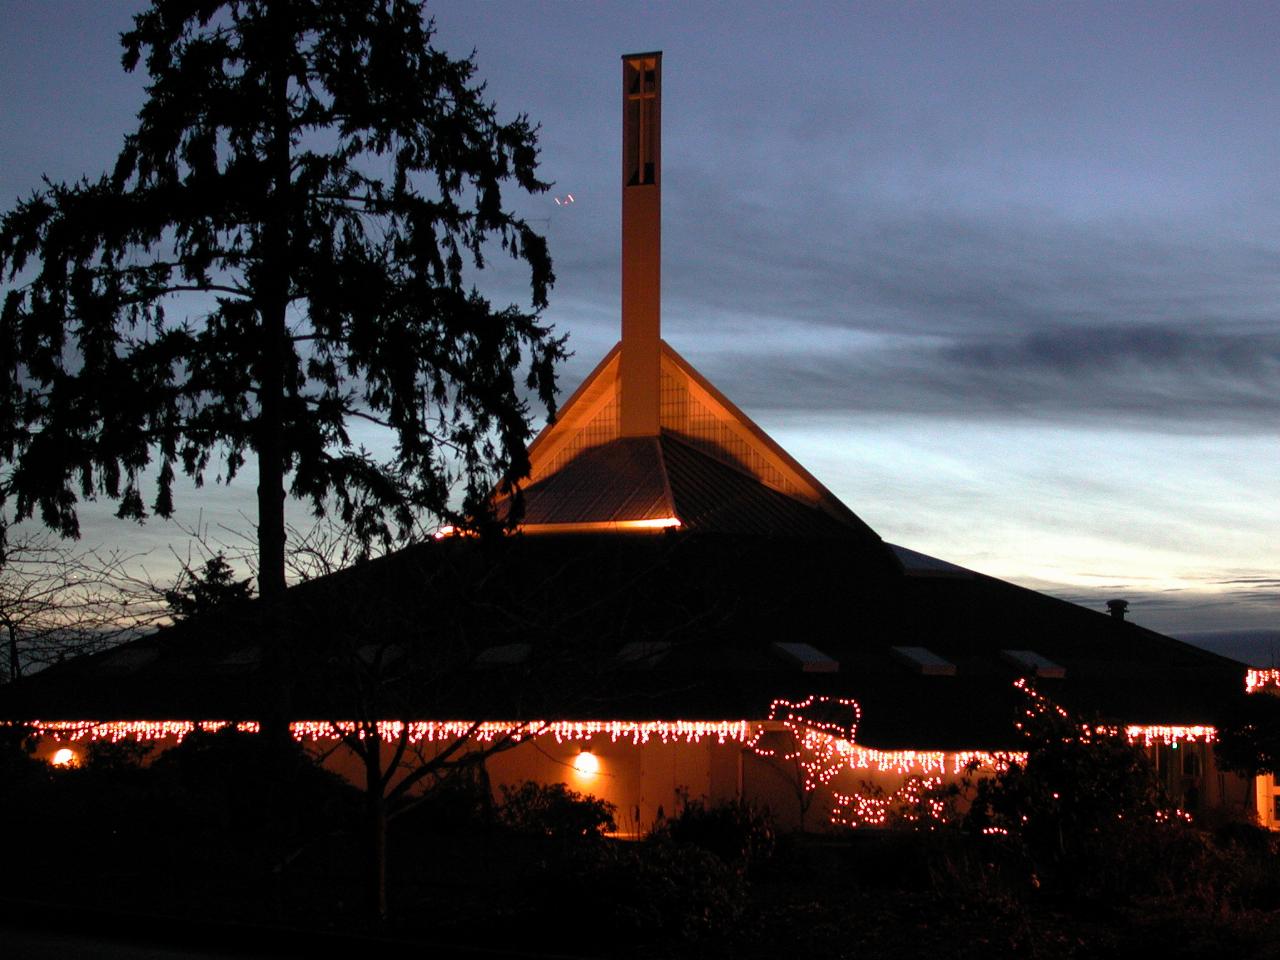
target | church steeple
[
  {"x": 620, "y": 458},
  {"x": 641, "y": 244}
]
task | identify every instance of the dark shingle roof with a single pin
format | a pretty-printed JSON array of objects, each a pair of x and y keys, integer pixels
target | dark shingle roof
[
  {"x": 716, "y": 605},
  {"x": 618, "y": 481},
  {"x": 711, "y": 495},
  {"x": 653, "y": 478}
]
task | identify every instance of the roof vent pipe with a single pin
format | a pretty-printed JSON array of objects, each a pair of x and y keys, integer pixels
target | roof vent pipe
[{"x": 1118, "y": 608}]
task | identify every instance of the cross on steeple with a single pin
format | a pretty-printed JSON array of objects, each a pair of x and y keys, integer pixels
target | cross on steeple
[{"x": 642, "y": 101}]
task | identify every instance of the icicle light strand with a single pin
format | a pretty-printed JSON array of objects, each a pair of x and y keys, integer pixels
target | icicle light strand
[
  {"x": 1255, "y": 680},
  {"x": 418, "y": 731},
  {"x": 823, "y": 748}
]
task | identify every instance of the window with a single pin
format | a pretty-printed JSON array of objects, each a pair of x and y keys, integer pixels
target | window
[{"x": 1191, "y": 761}]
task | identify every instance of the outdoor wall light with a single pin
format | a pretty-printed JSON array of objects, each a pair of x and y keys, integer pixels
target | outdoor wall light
[
  {"x": 586, "y": 763},
  {"x": 65, "y": 757}
]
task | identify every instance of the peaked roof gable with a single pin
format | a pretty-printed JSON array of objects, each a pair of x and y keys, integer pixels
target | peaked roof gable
[{"x": 609, "y": 484}]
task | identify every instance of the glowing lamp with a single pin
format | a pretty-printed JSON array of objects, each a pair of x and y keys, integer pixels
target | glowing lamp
[
  {"x": 63, "y": 758},
  {"x": 586, "y": 763}
]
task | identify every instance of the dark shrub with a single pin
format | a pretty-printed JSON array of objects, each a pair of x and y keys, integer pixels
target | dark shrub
[
  {"x": 736, "y": 831},
  {"x": 108, "y": 756},
  {"x": 247, "y": 791},
  {"x": 460, "y": 801},
  {"x": 1081, "y": 791},
  {"x": 555, "y": 811},
  {"x": 20, "y": 771},
  {"x": 1085, "y": 816},
  {"x": 656, "y": 890}
]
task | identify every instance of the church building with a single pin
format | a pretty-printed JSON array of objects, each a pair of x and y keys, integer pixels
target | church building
[{"x": 683, "y": 611}]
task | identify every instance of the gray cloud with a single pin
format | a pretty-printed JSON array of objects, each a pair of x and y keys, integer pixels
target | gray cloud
[
  {"x": 1010, "y": 313},
  {"x": 792, "y": 248},
  {"x": 1158, "y": 377}
]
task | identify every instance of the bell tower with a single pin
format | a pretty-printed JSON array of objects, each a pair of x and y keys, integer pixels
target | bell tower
[{"x": 640, "y": 378}]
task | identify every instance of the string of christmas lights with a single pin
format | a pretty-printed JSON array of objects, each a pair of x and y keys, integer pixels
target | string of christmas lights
[
  {"x": 140, "y": 730},
  {"x": 1255, "y": 680},
  {"x": 1147, "y": 734},
  {"x": 912, "y": 801},
  {"x": 637, "y": 732},
  {"x": 1157, "y": 733},
  {"x": 823, "y": 748},
  {"x": 818, "y": 759}
]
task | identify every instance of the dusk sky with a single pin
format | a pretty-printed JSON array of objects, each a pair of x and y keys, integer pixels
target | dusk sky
[{"x": 1004, "y": 277}]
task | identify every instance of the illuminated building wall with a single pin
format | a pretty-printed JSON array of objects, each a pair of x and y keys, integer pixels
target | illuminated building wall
[
  {"x": 800, "y": 773},
  {"x": 1267, "y": 798},
  {"x": 1266, "y": 786},
  {"x": 811, "y": 776}
]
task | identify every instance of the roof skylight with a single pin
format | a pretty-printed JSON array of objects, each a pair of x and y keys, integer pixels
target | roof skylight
[
  {"x": 807, "y": 657},
  {"x": 1035, "y": 664},
  {"x": 925, "y": 661}
]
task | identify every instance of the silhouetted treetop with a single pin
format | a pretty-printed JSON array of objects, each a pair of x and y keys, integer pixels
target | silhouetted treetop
[{"x": 284, "y": 246}]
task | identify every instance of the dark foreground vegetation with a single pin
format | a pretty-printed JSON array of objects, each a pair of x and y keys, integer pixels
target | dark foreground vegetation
[{"x": 213, "y": 831}]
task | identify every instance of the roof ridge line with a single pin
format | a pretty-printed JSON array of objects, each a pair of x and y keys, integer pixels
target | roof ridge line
[{"x": 666, "y": 477}]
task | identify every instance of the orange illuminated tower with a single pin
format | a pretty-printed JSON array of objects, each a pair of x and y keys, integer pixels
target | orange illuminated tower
[{"x": 641, "y": 243}]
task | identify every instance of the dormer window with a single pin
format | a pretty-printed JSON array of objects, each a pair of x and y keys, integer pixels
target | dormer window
[
  {"x": 807, "y": 657},
  {"x": 1034, "y": 664},
  {"x": 924, "y": 661}
]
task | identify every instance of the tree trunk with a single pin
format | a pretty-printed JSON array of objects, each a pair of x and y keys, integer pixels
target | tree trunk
[
  {"x": 273, "y": 299},
  {"x": 376, "y": 825},
  {"x": 272, "y": 291},
  {"x": 271, "y": 536}
]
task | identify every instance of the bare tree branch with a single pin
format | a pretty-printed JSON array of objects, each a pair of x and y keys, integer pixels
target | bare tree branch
[{"x": 58, "y": 600}]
